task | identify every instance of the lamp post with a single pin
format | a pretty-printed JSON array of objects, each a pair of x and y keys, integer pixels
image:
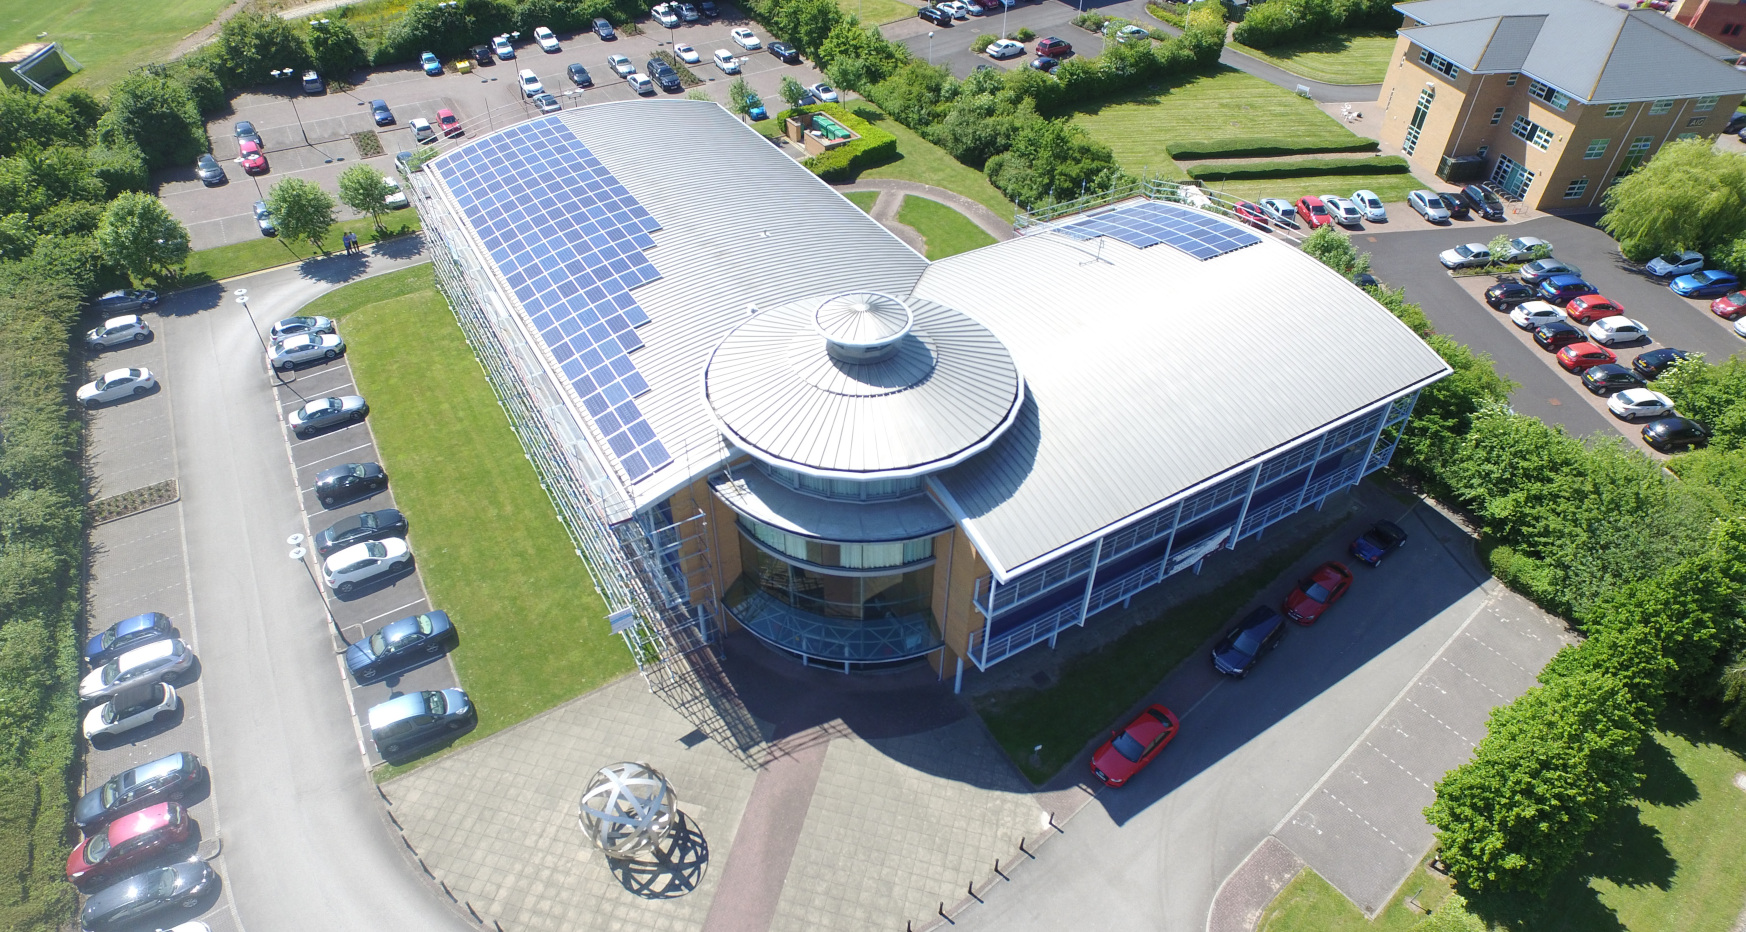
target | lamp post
[
  {"x": 1004, "y": 9},
  {"x": 242, "y": 298},
  {"x": 930, "y": 48},
  {"x": 298, "y": 553}
]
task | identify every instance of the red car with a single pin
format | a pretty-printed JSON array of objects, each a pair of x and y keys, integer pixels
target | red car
[
  {"x": 254, "y": 161},
  {"x": 1579, "y": 357},
  {"x": 1588, "y": 308},
  {"x": 1132, "y": 748},
  {"x": 1252, "y": 215},
  {"x": 1729, "y": 306},
  {"x": 1317, "y": 591},
  {"x": 1314, "y": 212},
  {"x": 127, "y": 841},
  {"x": 450, "y": 125}
]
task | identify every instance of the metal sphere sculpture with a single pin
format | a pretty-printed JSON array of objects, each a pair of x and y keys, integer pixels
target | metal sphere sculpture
[{"x": 627, "y": 809}]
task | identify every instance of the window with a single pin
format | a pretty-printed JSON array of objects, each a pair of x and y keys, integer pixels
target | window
[
  {"x": 1596, "y": 148},
  {"x": 1511, "y": 176},
  {"x": 1660, "y": 107},
  {"x": 1439, "y": 64},
  {"x": 1697, "y": 121},
  {"x": 1705, "y": 104},
  {"x": 1418, "y": 121},
  {"x": 845, "y": 554},
  {"x": 1548, "y": 94},
  {"x": 1512, "y": 81},
  {"x": 1617, "y": 110},
  {"x": 1483, "y": 150},
  {"x": 849, "y": 489},
  {"x": 1496, "y": 116},
  {"x": 1635, "y": 155},
  {"x": 1536, "y": 135},
  {"x": 1732, "y": 29},
  {"x": 1684, "y": 136},
  {"x": 1576, "y": 188}
]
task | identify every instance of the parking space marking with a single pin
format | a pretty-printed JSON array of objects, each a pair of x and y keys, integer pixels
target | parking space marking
[
  {"x": 1505, "y": 657},
  {"x": 340, "y": 453},
  {"x": 1476, "y": 679},
  {"x": 385, "y": 614},
  {"x": 1434, "y": 718},
  {"x": 1379, "y": 832},
  {"x": 325, "y": 434},
  {"x": 298, "y": 402},
  {"x": 141, "y": 566},
  {"x": 1402, "y": 767},
  {"x": 135, "y": 540}
]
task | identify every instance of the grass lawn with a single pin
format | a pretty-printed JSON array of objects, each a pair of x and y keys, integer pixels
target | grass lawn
[
  {"x": 920, "y": 160},
  {"x": 1390, "y": 188},
  {"x": 1343, "y": 58},
  {"x": 108, "y": 38},
  {"x": 1226, "y": 104},
  {"x": 1311, "y": 903},
  {"x": 947, "y": 231},
  {"x": 862, "y": 199},
  {"x": 221, "y": 262},
  {"x": 1668, "y": 863},
  {"x": 489, "y": 545},
  {"x": 878, "y": 12}
]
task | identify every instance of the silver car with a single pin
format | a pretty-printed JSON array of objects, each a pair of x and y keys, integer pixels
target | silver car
[
  {"x": 123, "y": 301},
  {"x": 116, "y": 385},
  {"x": 1429, "y": 205},
  {"x": 292, "y": 352},
  {"x": 1539, "y": 270},
  {"x": 323, "y": 413},
  {"x": 209, "y": 170},
  {"x": 128, "y": 328},
  {"x": 1467, "y": 255},
  {"x": 293, "y": 326},
  {"x": 152, "y": 663}
]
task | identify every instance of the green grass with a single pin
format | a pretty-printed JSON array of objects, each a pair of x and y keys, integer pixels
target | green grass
[
  {"x": 1096, "y": 688},
  {"x": 222, "y": 262},
  {"x": 947, "y": 232},
  {"x": 489, "y": 545},
  {"x": 1311, "y": 903},
  {"x": 1669, "y": 863},
  {"x": 878, "y": 12},
  {"x": 108, "y": 38},
  {"x": 922, "y": 161},
  {"x": 1342, "y": 58},
  {"x": 862, "y": 199},
  {"x": 1390, "y": 188},
  {"x": 1226, "y": 104}
]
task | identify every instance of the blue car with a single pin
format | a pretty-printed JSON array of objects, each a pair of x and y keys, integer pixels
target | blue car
[
  {"x": 408, "y": 722},
  {"x": 1559, "y": 289},
  {"x": 1243, "y": 646},
  {"x": 755, "y": 108},
  {"x": 1710, "y": 283},
  {"x": 400, "y": 646},
  {"x": 125, "y": 635},
  {"x": 432, "y": 66},
  {"x": 1383, "y": 538}
]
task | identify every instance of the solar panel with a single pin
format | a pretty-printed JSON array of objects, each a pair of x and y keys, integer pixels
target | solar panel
[
  {"x": 569, "y": 239},
  {"x": 1148, "y": 223}
]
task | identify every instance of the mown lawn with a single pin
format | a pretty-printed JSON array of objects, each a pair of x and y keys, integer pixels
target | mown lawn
[
  {"x": 878, "y": 12},
  {"x": 947, "y": 232},
  {"x": 1311, "y": 903},
  {"x": 108, "y": 38},
  {"x": 489, "y": 545},
  {"x": 920, "y": 160},
  {"x": 862, "y": 199},
  {"x": 1227, "y": 104},
  {"x": 1391, "y": 188},
  {"x": 221, "y": 262},
  {"x": 1343, "y": 58}
]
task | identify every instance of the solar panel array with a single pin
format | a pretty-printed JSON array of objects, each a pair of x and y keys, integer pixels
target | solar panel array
[
  {"x": 569, "y": 239},
  {"x": 1149, "y": 223}
]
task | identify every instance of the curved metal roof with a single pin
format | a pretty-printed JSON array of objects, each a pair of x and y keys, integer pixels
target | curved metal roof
[{"x": 940, "y": 389}]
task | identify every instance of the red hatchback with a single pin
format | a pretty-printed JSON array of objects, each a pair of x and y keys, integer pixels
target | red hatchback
[
  {"x": 1314, "y": 212},
  {"x": 450, "y": 124},
  {"x": 1317, "y": 591},
  {"x": 127, "y": 841},
  {"x": 1252, "y": 215},
  {"x": 254, "y": 161},
  {"x": 1580, "y": 357},
  {"x": 1132, "y": 748},
  {"x": 1588, "y": 308},
  {"x": 1729, "y": 306}
]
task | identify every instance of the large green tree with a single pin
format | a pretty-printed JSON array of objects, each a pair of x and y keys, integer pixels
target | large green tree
[
  {"x": 158, "y": 116},
  {"x": 364, "y": 190},
  {"x": 1052, "y": 161},
  {"x": 1689, "y": 196},
  {"x": 301, "y": 210},
  {"x": 335, "y": 50},
  {"x": 139, "y": 234},
  {"x": 1334, "y": 249},
  {"x": 252, "y": 44}
]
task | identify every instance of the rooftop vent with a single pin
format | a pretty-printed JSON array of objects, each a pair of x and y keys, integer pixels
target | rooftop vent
[{"x": 863, "y": 327}]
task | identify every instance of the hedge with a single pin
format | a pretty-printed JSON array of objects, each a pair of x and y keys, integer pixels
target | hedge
[
  {"x": 1241, "y": 147},
  {"x": 1300, "y": 168},
  {"x": 875, "y": 147}
]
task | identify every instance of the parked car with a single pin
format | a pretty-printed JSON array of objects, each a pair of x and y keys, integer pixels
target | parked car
[
  {"x": 130, "y": 709},
  {"x": 416, "y": 719},
  {"x": 292, "y": 352},
  {"x": 1317, "y": 592},
  {"x": 546, "y": 103},
  {"x": 1467, "y": 255},
  {"x": 1130, "y": 33},
  {"x": 603, "y": 29},
  {"x": 1383, "y": 538},
  {"x": 664, "y": 75},
  {"x": 348, "y": 481},
  {"x": 422, "y": 131},
  {"x": 726, "y": 61},
  {"x": 1483, "y": 201},
  {"x": 824, "y": 92},
  {"x": 707, "y": 8},
  {"x": 400, "y": 646},
  {"x": 169, "y": 778},
  {"x": 1531, "y": 315},
  {"x": 785, "y": 53},
  {"x": 323, "y": 413},
  {"x": 1370, "y": 205},
  {"x": 1650, "y": 365},
  {"x": 755, "y": 108},
  {"x": 313, "y": 84},
  {"x": 1671, "y": 433},
  {"x": 252, "y": 159},
  {"x": 1054, "y": 47},
  {"x": 1131, "y": 749},
  {"x": 209, "y": 171},
  {"x": 1611, "y": 331},
  {"x": 1005, "y": 48},
  {"x": 1045, "y": 64},
  {"x": 745, "y": 38},
  {"x": 621, "y": 65},
  {"x": 546, "y": 40},
  {"x": 128, "y": 328},
  {"x": 1729, "y": 306},
  {"x": 501, "y": 45},
  {"x": 1553, "y": 337},
  {"x": 127, "y": 903},
  {"x": 665, "y": 15},
  {"x": 245, "y": 132},
  {"x": 124, "y": 301},
  {"x": 1537, "y": 271},
  {"x": 482, "y": 55},
  {"x": 1588, "y": 308},
  {"x": 1429, "y": 205},
  {"x": 264, "y": 219},
  {"x": 1634, "y": 403},
  {"x": 1676, "y": 264},
  {"x": 432, "y": 65},
  {"x": 359, "y": 564},
  {"x": 125, "y": 635},
  {"x": 639, "y": 83},
  {"x": 1609, "y": 377},
  {"x": 1706, "y": 284},
  {"x": 1454, "y": 204},
  {"x": 1578, "y": 357},
  {"x": 1282, "y": 211},
  {"x": 1313, "y": 211},
  {"x": 368, "y": 525},
  {"x": 1559, "y": 289},
  {"x": 684, "y": 50},
  {"x": 688, "y": 13},
  {"x": 127, "y": 841},
  {"x": 115, "y": 385},
  {"x": 955, "y": 9},
  {"x": 579, "y": 75},
  {"x": 1253, "y": 215},
  {"x": 934, "y": 15},
  {"x": 1524, "y": 248},
  {"x": 293, "y": 326},
  {"x": 1243, "y": 646},
  {"x": 380, "y": 113},
  {"x": 1506, "y": 295},
  {"x": 530, "y": 83},
  {"x": 148, "y": 663},
  {"x": 1344, "y": 212}
]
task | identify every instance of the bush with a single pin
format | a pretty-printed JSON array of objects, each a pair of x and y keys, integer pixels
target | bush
[
  {"x": 1025, "y": 34},
  {"x": 251, "y": 44},
  {"x": 1279, "y": 22},
  {"x": 1090, "y": 21},
  {"x": 1242, "y": 147},
  {"x": 157, "y": 116},
  {"x": 982, "y": 43},
  {"x": 875, "y": 147},
  {"x": 1299, "y": 168}
]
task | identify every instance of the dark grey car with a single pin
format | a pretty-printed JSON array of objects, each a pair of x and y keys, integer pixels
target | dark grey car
[
  {"x": 170, "y": 777},
  {"x": 245, "y": 132},
  {"x": 127, "y": 904},
  {"x": 348, "y": 481},
  {"x": 1241, "y": 647},
  {"x": 124, "y": 301},
  {"x": 209, "y": 170},
  {"x": 366, "y": 525}
]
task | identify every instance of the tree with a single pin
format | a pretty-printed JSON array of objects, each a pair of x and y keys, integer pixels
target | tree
[
  {"x": 157, "y": 116},
  {"x": 364, "y": 190},
  {"x": 120, "y": 169},
  {"x": 17, "y": 238},
  {"x": 1732, "y": 685},
  {"x": 139, "y": 234},
  {"x": 301, "y": 210},
  {"x": 805, "y": 23},
  {"x": 1052, "y": 161},
  {"x": 740, "y": 97},
  {"x": 335, "y": 49},
  {"x": 1688, "y": 196},
  {"x": 442, "y": 29},
  {"x": 1334, "y": 249},
  {"x": 252, "y": 44},
  {"x": 792, "y": 91}
]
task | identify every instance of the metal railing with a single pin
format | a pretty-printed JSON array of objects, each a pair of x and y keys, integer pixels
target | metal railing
[{"x": 1152, "y": 188}]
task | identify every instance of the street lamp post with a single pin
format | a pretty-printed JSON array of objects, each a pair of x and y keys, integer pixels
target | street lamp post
[
  {"x": 242, "y": 298},
  {"x": 298, "y": 553},
  {"x": 930, "y": 48},
  {"x": 1004, "y": 9}
]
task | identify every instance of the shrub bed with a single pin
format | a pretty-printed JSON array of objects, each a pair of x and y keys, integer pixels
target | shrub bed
[
  {"x": 133, "y": 501},
  {"x": 1297, "y": 168},
  {"x": 875, "y": 147},
  {"x": 687, "y": 78},
  {"x": 1238, "y": 147}
]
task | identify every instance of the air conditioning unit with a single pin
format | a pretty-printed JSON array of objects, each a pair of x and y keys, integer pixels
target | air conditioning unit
[{"x": 1461, "y": 169}]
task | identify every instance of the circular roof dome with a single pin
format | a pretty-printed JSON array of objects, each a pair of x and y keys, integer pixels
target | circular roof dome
[{"x": 862, "y": 385}]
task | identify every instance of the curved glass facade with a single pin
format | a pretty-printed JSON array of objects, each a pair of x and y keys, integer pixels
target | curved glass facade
[
  {"x": 849, "y": 555},
  {"x": 853, "y": 490}
]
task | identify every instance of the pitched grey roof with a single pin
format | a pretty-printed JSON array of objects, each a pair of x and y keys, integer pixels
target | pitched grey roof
[
  {"x": 1589, "y": 50},
  {"x": 1148, "y": 372}
]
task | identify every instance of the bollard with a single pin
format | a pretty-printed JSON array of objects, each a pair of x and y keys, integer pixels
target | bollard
[
  {"x": 474, "y": 913},
  {"x": 1025, "y": 852},
  {"x": 997, "y": 870},
  {"x": 446, "y": 890}
]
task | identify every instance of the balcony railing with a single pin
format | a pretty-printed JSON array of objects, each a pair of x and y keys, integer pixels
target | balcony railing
[{"x": 885, "y": 637}]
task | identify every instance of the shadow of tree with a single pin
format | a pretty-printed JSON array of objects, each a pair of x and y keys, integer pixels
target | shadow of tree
[
  {"x": 673, "y": 869},
  {"x": 1664, "y": 784}
]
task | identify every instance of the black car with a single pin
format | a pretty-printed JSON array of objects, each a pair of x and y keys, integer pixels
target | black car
[
  {"x": 1045, "y": 63},
  {"x": 1552, "y": 337},
  {"x": 482, "y": 55},
  {"x": 1506, "y": 295},
  {"x": 1670, "y": 433},
  {"x": 363, "y": 526},
  {"x": 245, "y": 132},
  {"x": 785, "y": 52},
  {"x": 935, "y": 15},
  {"x": 165, "y": 778},
  {"x": 1650, "y": 365},
  {"x": 1366, "y": 280},
  {"x": 707, "y": 8},
  {"x": 1483, "y": 201},
  {"x": 579, "y": 76},
  {"x": 1453, "y": 203},
  {"x": 125, "y": 904},
  {"x": 349, "y": 480},
  {"x": 401, "y": 645},
  {"x": 1609, "y": 377},
  {"x": 125, "y": 635},
  {"x": 603, "y": 29},
  {"x": 1383, "y": 538},
  {"x": 663, "y": 74},
  {"x": 1237, "y": 652}
]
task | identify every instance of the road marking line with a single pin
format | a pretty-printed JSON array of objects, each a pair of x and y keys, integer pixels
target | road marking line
[
  {"x": 1494, "y": 650},
  {"x": 323, "y": 436},
  {"x": 340, "y": 453},
  {"x": 1439, "y": 721},
  {"x": 385, "y": 614},
  {"x": 141, "y": 566},
  {"x": 1400, "y": 765},
  {"x": 1380, "y": 832},
  {"x": 1474, "y": 678}
]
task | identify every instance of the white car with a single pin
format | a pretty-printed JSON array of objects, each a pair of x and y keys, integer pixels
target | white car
[
  {"x": 1532, "y": 315},
  {"x": 117, "y": 384},
  {"x": 639, "y": 83},
  {"x": 530, "y": 84},
  {"x": 547, "y": 103},
  {"x": 292, "y": 326},
  {"x": 360, "y": 563},
  {"x": 1612, "y": 330},
  {"x": 977, "y": 9},
  {"x": 395, "y": 197},
  {"x": 687, "y": 54},
  {"x": 1475, "y": 255},
  {"x": 622, "y": 65},
  {"x": 745, "y": 38},
  {"x": 824, "y": 92},
  {"x": 1131, "y": 32},
  {"x": 422, "y": 131},
  {"x": 956, "y": 9},
  {"x": 327, "y": 412},
  {"x": 1633, "y": 403},
  {"x": 291, "y": 352},
  {"x": 1429, "y": 205},
  {"x": 116, "y": 330},
  {"x": 1005, "y": 48},
  {"x": 149, "y": 664},
  {"x": 1522, "y": 248},
  {"x": 128, "y": 711},
  {"x": 665, "y": 15},
  {"x": 726, "y": 61},
  {"x": 1344, "y": 212},
  {"x": 1676, "y": 264},
  {"x": 1282, "y": 211},
  {"x": 503, "y": 48},
  {"x": 547, "y": 41},
  {"x": 1371, "y": 205}
]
